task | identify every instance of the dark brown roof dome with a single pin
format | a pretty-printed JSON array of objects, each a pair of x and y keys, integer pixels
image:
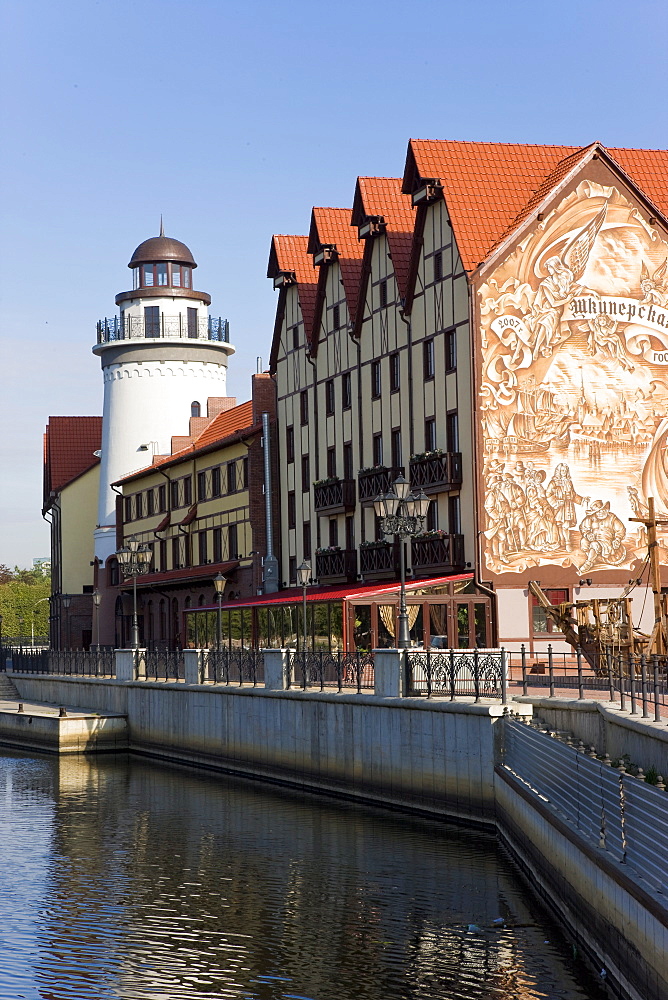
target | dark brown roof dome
[{"x": 160, "y": 248}]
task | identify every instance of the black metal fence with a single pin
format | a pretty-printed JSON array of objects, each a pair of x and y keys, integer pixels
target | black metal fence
[
  {"x": 637, "y": 683},
  {"x": 321, "y": 669},
  {"x": 159, "y": 665},
  {"x": 70, "y": 662},
  {"x": 233, "y": 666},
  {"x": 452, "y": 673}
]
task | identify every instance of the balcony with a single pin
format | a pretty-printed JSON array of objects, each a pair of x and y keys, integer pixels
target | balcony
[
  {"x": 380, "y": 560},
  {"x": 442, "y": 553},
  {"x": 212, "y": 328},
  {"x": 436, "y": 471},
  {"x": 372, "y": 482},
  {"x": 339, "y": 564},
  {"x": 334, "y": 496}
]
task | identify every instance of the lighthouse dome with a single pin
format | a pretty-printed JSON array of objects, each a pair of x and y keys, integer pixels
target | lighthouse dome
[{"x": 159, "y": 248}]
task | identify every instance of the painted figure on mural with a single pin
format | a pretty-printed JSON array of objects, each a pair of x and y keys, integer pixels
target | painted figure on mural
[
  {"x": 498, "y": 519},
  {"x": 604, "y": 340},
  {"x": 561, "y": 494},
  {"x": 602, "y": 536},
  {"x": 543, "y": 532},
  {"x": 654, "y": 288}
]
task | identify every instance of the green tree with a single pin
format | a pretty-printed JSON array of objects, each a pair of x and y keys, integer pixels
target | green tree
[{"x": 22, "y": 602}]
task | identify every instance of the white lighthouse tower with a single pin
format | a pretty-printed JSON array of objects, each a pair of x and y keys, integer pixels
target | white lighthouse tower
[{"x": 162, "y": 357}]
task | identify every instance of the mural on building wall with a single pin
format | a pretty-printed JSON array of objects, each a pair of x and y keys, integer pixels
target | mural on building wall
[{"x": 574, "y": 389}]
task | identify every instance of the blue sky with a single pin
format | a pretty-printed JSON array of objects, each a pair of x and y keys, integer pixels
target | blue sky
[{"x": 232, "y": 119}]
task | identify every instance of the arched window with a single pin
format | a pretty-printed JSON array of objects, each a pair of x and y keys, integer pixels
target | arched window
[
  {"x": 195, "y": 409},
  {"x": 187, "y": 603},
  {"x": 202, "y": 600}
]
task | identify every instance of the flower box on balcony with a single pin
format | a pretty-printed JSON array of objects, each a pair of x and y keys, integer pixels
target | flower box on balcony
[
  {"x": 371, "y": 482},
  {"x": 335, "y": 563},
  {"x": 436, "y": 550},
  {"x": 334, "y": 496},
  {"x": 379, "y": 560},
  {"x": 436, "y": 471}
]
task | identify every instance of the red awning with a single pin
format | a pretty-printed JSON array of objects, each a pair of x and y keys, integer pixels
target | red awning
[
  {"x": 340, "y": 592},
  {"x": 194, "y": 574}
]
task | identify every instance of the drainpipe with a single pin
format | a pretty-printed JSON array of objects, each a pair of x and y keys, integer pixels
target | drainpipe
[{"x": 270, "y": 562}]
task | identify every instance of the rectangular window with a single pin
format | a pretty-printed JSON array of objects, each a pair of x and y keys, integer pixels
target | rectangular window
[
  {"x": 176, "y": 553},
  {"x": 336, "y": 317},
  {"x": 201, "y": 485},
  {"x": 162, "y": 498},
  {"x": 430, "y": 434},
  {"x": 432, "y": 515},
  {"x": 192, "y": 324},
  {"x": 292, "y": 569},
  {"x": 428, "y": 359},
  {"x": 292, "y": 510},
  {"x": 215, "y": 482},
  {"x": 394, "y": 372},
  {"x": 329, "y": 396},
  {"x": 290, "y": 444},
  {"x": 151, "y": 321},
  {"x": 186, "y": 277},
  {"x": 139, "y": 505},
  {"x": 163, "y": 555},
  {"x": 452, "y": 431},
  {"x": 202, "y": 545},
  {"x": 382, "y": 288},
  {"x": 350, "y": 533},
  {"x": 346, "y": 391},
  {"x": 377, "y": 442},
  {"x": 306, "y": 473},
  {"x": 176, "y": 275},
  {"x": 295, "y": 337},
  {"x": 438, "y": 265},
  {"x": 217, "y": 545},
  {"x": 454, "y": 516},
  {"x": 541, "y": 623},
  {"x": 231, "y": 477},
  {"x": 396, "y": 449},
  {"x": 331, "y": 463},
  {"x": 348, "y": 461},
  {"x": 161, "y": 271},
  {"x": 232, "y": 542},
  {"x": 150, "y": 502},
  {"x": 187, "y": 553},
  {"x": 450, "y": 350},
  {"x": 174, "y": 494},
  {"x": 303, "y": 407},
  {"x": 333, "y": 532},
  {"x": 127, "y": 509},
  {"x": 187, "y": 491},
  {"x": 306, "y": 539},
  {"x": 244, "y": 472},
  {"x": 375, "y": 379},
  {"x": 148, "y": 275}
]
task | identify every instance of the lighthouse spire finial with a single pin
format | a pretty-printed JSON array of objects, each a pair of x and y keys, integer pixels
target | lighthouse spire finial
[{"x": 162, "y": 228}]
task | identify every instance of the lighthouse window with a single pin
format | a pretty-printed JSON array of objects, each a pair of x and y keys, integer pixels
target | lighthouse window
[
  {"x": 162, "y": 273},
  {"x": 151, "y": 321},
  {"x": 148, "y": 274},
  {"x": 195, "y": 409},
  {"x": 176, "y": 275},
  {"x": 192, "y": 323},
  {"x": 186, "y": 277},
  {"x": 135, "y": 277}
]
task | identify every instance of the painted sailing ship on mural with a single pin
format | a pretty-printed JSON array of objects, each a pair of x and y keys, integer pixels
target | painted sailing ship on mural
[{"x": 574, "y": 388}]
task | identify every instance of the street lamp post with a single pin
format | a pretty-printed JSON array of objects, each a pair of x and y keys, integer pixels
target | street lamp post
[
  {"x": 403, "y": 514},
  {"x": 97, "y": 597},
  {"x": 219, "y": 584},
  {"x": 303, "y": 579},
  {"x": 134, "y": 560},
  {"x": 66, "y": 601}
]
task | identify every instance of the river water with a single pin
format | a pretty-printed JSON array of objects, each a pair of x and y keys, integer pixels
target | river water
[{"x": 125, "y": 879}]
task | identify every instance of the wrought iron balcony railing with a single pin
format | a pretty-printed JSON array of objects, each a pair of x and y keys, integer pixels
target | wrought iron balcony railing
[
  {"x": 372, "y": 482},
  {"x": 334, "y": 496},
  {"x": 379, "y": 560},
  {"x": 212, "y": 328},
  {"x": 436, "y": 471},
  {"x": 335, "y": 563},
  {"x": 438, "y": 552}
]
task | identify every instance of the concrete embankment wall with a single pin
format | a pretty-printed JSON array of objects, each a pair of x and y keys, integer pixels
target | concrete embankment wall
[{"x": 432, "y": 756}]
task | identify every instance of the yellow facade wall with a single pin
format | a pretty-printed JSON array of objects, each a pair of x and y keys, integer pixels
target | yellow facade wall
[{"x": 78, "y": 518}]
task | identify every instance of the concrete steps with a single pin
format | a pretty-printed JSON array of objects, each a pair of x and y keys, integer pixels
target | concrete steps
[{"x": 8, "y": 690}]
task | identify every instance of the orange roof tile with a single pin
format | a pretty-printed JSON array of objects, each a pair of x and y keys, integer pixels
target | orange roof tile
[
  {"x": 69, "y": 443},
  {"x": 290, "y": 253},
  {"x": 331, "y": 226},
  {"x": 383, "y": 196},
  {"x": 490, "y": 186}
]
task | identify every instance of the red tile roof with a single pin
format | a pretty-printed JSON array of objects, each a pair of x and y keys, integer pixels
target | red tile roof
[
  {"x": 69, "y": 443},
  {"x": 290, "y": 254},
  {"x": 332, "y": 226},
  {"x": 489, "y": 186},
  {"x": 383, "y": 196}
]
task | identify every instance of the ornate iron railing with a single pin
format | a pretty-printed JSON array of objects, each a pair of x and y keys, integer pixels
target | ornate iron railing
[
  {"x": 213, "y": 328},
  {"x": 335, "y": 496},
  {"x": 477, "y": 673},
  {"x": 336, "y": 563},
  {"x": 440, "y": 469},
  {"x": 372, "y": 482},
  {"x": 321, "y": 669},
  {"x": 159, "y": 665},
  {"x": 446, "y": 550},
  {"x": 376, "y": 559},
  {"x": 233, "y": 666},
  {"x": 70, "y": 662}
]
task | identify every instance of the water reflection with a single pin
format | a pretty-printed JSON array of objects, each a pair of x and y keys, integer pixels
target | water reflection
[{"x": 122, "y": 879}]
